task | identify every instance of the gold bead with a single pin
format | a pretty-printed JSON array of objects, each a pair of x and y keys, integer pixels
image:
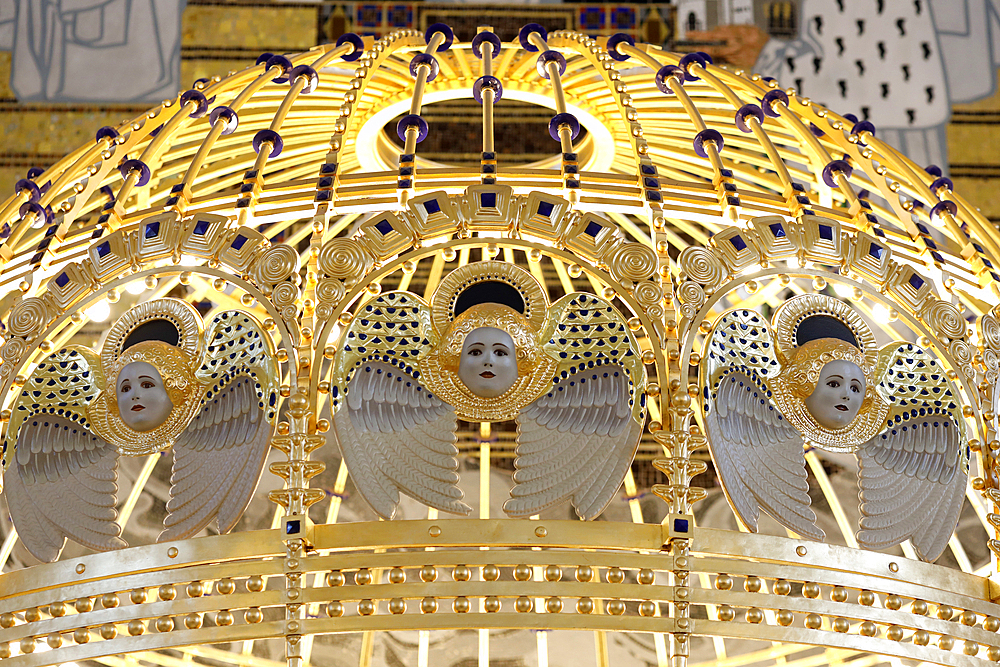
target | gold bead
[
  {"x": 841, "y": 624},
  {"x": 253, "y": 615},
  {"x": 335, "y": 609},
  {"x": 819, "y": 283},
  {"x": 991, "y": 624},
  {"x": 461, "y": 605},
  {"x": 574, "y": 270},
  {"x": 648, "y": 357},
  {"x": 522, "y": 572},
  {"x": 449, "y": 254},
  {"x": 553, "y": 573},
  {"x": 535, "y": 255},
  {"x": 164, "y": 624},
  {"x": 366, "y": 607},
  {"x": 31, "y": 615},
  {"x": 7, "y": 620},
  {"x": 138, "y": 596},
  {"x": 136, "y": 627},
  {"x": 782, "y": 587},
  {"x": 109, "y": 631},
  {"x": 225, "y": 586},
  {"x": 868, "y": 629},
  {"x": 409, "y": 266},
  {"x": 810, "y": 590},
  {"x": 866, "y": 598},
  {"x": 945, "y": 612},
  {"x": 921, "y": 638},
  {"x": 492, "y": 604},
  {"x": 491, "y": 573},
  {"x": 895, "y": 633},
  {"x": 919, "y": 607},
  {"x": 4, "y": 650},
  {"x": 335, "y": 578},
  {"x": 224, "y": 618},
  {"x": 255, "y": 584},
  {"x": 219, "y": 284},
  {"x": 993, "y": 653},
  {"x": 784, "y": 617},
  {"x": 109, "y": 600},
  {"x": 81, "y": 635},
  {"x": 608, "y": 293},
  {"x": 893, "y": 602},
  {"x": 57, "y": 609},
  {"x": 752, "y": 584},
  {"x": 28, "y": 645},
  {"x": 615, "y": 575},
  {"x": 754, "y": 615},
  {"x": 553, "y": 605},
  {"x": 968, "y": 618},
  {"x": 192, "y": 621},
  {"x": 150, "y": 282},
  {"x": 724, "y": 582},
  {"x": 584, "y": 573},
  {"x": 428, "y": 573},
  {"x": 363, "y": 577},
  {"x": 634, "y": 324},
  {"x": 970, "y": 647},
  {"x": 726, "y": 613},
  {"x": 523, "y": 605},
  {"x": 185, "y": 278},
  {"x": 397, "y": 575},
  {"x": 54, "y": 640},
  {"x": 195, "y": 589},
  {"x": 814, "y": 621},
  {"x": 646, "y": 577},
  {"x": 461, "y": 573},
  {"x": 585, "y": 606},
  {"x": 751, "y": 286},
  {"x": 247, "y": 300},
  {"x": 397, "y": 606},
  {"x": 616, "y": 607},
  {"x": 946, "y": 642},
  {"x": 839, "y": 594},
  {"x": 374, "y": 289}
]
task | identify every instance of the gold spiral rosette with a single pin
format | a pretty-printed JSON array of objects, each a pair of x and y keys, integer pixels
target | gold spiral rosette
[
  {"x": 631, "y": 262},
  {"x": 11, "y": 353},
  {"x": 961, "y": 352},
  {"x": 702, "y": 266},
  {"x": 944, "y": 319},
  {"x": 285, "y": 296},
  {"x": 692, "y": 296},
  {"x": 344, "y": 258},
  {"x": 28, "y": 318},
  {"x": 989, "y": 346},
  {"x": 648, "y": 293},
  {"x": 275, "y": 264},
  {"x": 329, "y": 292}
]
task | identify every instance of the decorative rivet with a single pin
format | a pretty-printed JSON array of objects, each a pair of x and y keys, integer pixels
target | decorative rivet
[
  {"x": 434, "y": 531},
  {"x": 80, "y": 568},
  {"x": 172, "y": 552},
  {"x": 541, "y": 531},
  {"x": 893, "y": 567},
  {"x": 801, "y": 550}
]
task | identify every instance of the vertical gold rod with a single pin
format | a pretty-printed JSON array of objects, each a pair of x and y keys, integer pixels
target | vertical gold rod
[
  {"x": 424, "y": 636},
  {"x": 601, "y": 644},
  {"x": 140, "y": 484},
  {"x": 831, "y": 497},
  {"x": 8, "y": 546},
  {"x": 367, "y": 649},
  {"x": 484, "y": 513}
]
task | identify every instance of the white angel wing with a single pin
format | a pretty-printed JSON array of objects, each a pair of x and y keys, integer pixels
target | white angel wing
[
  {"x": 758, "y": 456},
  {"x": 577, "y": 442},
  {"x": 396, "y": 436},
  {"x": 61, "y": 479},
  {"x": 219, "y": 458},
  {"x": 913, "y": 475}
]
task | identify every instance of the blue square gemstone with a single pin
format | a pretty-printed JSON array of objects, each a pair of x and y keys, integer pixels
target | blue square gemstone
[
  {"x": 489, "y": 169},
  {"x": 489, "y": 156},
  {"x": 876, "y": 251},
  {"x": 103, "y": 249},
  {"x": 930, "y": 244},
  {"x": 201, "y": 227},
  {"x": 797, "y": 187},
  {"x": 572, "y": 183},
  {"x": 404, "y": 184},
  {"x": 987, "y": 263},
  {"x": 62, "y": 279},
  {"x": 653, "y": 195},
  {"x": 922, "y": 228},
  {"x": 826, "y": 232},
  {"x": 681, "y": 525},
  {"x": 406, "y": 171},
  {"x": 651, "y": 182},
  {"x": 432, "y": 206},
  {"x": 726, "y": 173},
  {"x": 37, "y": 258},
  {"x": 936, "y": 256},
  {"x": 593, "y": 229},
  {"x": 545, "y": 208},
  {"x": 778, "y": 230},
  {"x": 488, "y": 199},
  {"x": 648, "y": 169},
  {"x": 325, "y": 182},
  {"x": 383, "y": 226},
  {"x": 738, "y": 243},
  {"x": 328, "y": 168},
  {"x": 240, "y": 241},
  {"x": 292, "y": 527},
  {"x": 324, "y": 195},
  {"x": 978, "y": 247},
  {"x": 177, "y": 188},
  {"x": 51, "y": 229},
  {"x": 406, "y": 157},
  {"x": 152, "y": 230},
  {"x": 916, "y": 282}
]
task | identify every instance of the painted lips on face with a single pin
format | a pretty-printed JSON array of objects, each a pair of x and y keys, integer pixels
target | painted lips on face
[{"x": 487, "y": 374}]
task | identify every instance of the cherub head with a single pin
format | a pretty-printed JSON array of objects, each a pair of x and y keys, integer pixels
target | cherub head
[
  {"x": 827, "y": 375},
  {"x": 488, "y": 365},
  {"x": 143, "y": 401}
]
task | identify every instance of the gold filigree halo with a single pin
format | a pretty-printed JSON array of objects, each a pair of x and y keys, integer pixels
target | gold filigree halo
[
  {"x": 175, "y": 364},
  {"x": 796, "y": 310},
  {"x": 445, "y": 297},
  {"x": 535, "y": 368}
]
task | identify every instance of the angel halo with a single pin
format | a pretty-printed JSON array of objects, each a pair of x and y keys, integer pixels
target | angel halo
[
  {"x": 817, "y": 376},
  {"x": 489, "y": 347},
  {"x": 162, "y": 380}
]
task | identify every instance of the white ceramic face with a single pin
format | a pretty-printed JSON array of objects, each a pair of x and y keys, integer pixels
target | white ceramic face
[
  {"x": 838, "y": 395},
  {"x": 488, "y": 366},
  {"x": 143, "y": 402}
]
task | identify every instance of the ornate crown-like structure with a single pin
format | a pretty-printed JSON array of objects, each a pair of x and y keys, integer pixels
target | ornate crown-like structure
[{"x": 676, "y": 189}]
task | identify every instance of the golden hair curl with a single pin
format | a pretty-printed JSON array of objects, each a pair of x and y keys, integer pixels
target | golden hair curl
[
  {"x": 177, "y": 370},
  {"x": 810, "y": 358}
]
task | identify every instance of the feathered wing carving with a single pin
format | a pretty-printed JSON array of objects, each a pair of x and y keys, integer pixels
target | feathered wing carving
[
  {"x": 913, "y": 474},
  {"x": 578, "y": 440},
  {"x": 395, "y": 435},
  {"x": 219, "y": 458},
  {"x": 61, "y": 479},
  {"x": 758, "y": 455}
]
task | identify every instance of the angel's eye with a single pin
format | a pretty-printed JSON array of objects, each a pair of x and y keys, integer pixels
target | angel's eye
[
  {"x": 475, "y": 353},
  {"x": 501, "y": 353},
  {"x": 856, "y": 389},
  {"x": 833, "y": 383},
  {"x": 125, "y": 388},
  {"x": 147, "y": 385}
]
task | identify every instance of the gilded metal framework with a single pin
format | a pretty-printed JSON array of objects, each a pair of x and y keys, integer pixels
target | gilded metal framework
[{"x": 293, "y": 203}]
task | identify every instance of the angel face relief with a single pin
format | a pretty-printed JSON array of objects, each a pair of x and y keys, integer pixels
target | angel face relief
[
  {"x": 143, "y": 402},
  {"x": 838, "y": 395},
  {"x": 488, "y": 366}
]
